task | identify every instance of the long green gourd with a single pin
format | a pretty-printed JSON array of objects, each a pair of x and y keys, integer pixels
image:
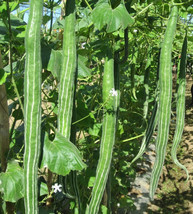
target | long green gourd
[
  {"x": 67, "y": 79},
  {"x": 165, "y": 96},
  {"x": 32, "y": 106},
  {"x": 148, "y": 133},
  {"x": 67, "y": 75},
  {"x": 108, "y": 135},
  {"x": 180, "y": 107},
  {"x": 151, "y": 124}
]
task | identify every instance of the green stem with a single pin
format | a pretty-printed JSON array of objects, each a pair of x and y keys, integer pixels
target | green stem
[
  {"x": 142, "y": 11},
  {"x": 88, "y": 5},
  {"x": 17, "y": 94}
]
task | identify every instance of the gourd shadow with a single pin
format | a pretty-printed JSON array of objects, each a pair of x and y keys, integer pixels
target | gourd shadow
[{"x": 174, "y": 202}]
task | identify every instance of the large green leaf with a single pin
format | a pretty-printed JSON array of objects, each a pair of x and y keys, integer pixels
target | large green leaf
[
  {"x": 15, "y": 23},
  {"x": 83, "y": 71},
  {"x": 104, "y": 15},
  {"x": 55, "y": 63},
  {"x": 61, "y": 156},
  {"x": 11, "y": 182}
]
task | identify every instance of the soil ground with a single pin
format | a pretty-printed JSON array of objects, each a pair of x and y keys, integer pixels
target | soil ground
[{"x": 174, "y": 194}]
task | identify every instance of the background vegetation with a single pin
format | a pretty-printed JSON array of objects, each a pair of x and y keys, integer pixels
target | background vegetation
[{"x": 133, "y": 32}]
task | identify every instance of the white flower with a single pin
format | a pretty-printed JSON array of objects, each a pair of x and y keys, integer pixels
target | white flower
[
  {"x": 113, "y": 92},
  {"x": 134, "y": 31},
  {"x": 83, "y": 45},
  {"x": 118, "y": 205},
  {"x": 57, "y": 188},
  {"x": 102, "y": 61}
]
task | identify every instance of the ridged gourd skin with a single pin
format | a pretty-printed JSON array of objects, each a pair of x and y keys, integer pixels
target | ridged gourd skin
[
  {"x": 180, "y": 107},
  {"x": 67, "y": 80},
  {"x": 67, "y": 74},
  {"x": 32, "y": 106},
  {"x": 165, "y": 97},
  {"x": 108, "y": 136}
]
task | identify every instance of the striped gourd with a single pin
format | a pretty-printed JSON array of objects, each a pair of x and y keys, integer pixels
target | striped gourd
[
  {"x": 108, "y": 135},
  {"x": 32, "y": 106},
  {"x": 180, "y": 107},
  {"x": 165, "y": 96},
  {"x": 67, "y": 75},
  {"x": 148, "y": 133},
  {"x": 67, "y": 80},
  {"x": 153, "y": 119}
]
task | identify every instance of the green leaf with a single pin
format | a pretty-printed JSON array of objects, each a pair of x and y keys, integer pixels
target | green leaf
[
  {"x": 83, "y": 71},
  {"x": 61, "y": 156},
  {"x": 46, "y": 18},
  {"x": 85, "y": 18},
  {"x": 45, "y": 54},
  {"x": 7, "y": 68},
  {"x": 84, "y": 117},
  {"x": 16, "y": 22},
  {"x": 58, "y": 24},
  {"x": 3, "y": 76},
  {"x": 43, "y": 189},
  {"x": 21, "y": 28},
  {"x": 114, "y": 19},
  {"x": 104, "y": 209},
  {"x": 13, "y": 5},
  {"x": 17, "y": 27},
  {"x": 91, "y": 182},
  {"x": 55, "y": 63},
  {"x": 11, "y": 182},
  {"x": 94, "y": 131}
]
